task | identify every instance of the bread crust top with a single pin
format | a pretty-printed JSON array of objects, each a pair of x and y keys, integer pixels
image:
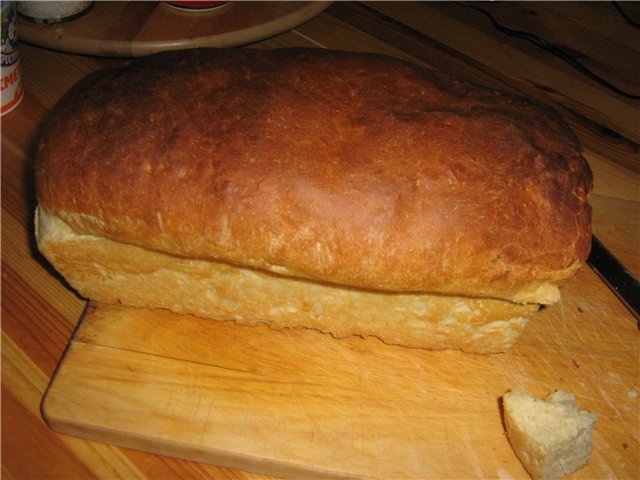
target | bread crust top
[{"x": 348, "y": 168}]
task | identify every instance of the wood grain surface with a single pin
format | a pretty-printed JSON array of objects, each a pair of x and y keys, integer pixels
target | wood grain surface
[
  {"x": 301, "y": 404},
  {"x": 588, "y": 343},
  {"x": 126, "y": 29}
]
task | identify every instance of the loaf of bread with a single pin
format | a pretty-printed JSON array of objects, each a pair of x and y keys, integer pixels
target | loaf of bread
[
  {"x": 298, "y": 187},
  {"x": 551, "y": 436}
]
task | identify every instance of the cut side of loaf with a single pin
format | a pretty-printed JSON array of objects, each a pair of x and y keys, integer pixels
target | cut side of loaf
[
  {"x": 113, "y": 272},
  {"x": 551, "y": 436}
]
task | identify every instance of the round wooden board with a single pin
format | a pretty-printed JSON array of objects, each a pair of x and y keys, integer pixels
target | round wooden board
[{"x": 135, "y": 29}]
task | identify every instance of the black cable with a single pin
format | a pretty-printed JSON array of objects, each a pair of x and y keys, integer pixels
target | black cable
[{"x": 555, "y": 50}]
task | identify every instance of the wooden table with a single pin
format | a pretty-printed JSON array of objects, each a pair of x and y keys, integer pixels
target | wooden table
[{"x": 39, "y": 313}]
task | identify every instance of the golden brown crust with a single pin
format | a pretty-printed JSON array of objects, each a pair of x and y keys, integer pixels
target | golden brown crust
[{"x": 349, "y": 168}]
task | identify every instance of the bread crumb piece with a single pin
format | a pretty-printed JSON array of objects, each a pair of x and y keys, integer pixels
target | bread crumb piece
[{"x": 551, "y": 436}]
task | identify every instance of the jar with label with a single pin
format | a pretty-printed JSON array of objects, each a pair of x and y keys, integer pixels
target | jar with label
[{"x": 11, "y": 77}]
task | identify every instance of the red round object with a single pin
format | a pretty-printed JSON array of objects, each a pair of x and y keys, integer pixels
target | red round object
[{"x": 195, "y": 4}]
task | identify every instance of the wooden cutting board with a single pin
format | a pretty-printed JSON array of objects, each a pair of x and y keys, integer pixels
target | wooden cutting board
[{"x": 298, "y": 403}]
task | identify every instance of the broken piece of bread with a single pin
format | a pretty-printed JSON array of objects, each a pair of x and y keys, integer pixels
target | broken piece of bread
[{"x": 551, "y": 436}]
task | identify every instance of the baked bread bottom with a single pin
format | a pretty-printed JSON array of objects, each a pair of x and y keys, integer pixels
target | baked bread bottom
[{"x": 112, "y": 272}]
